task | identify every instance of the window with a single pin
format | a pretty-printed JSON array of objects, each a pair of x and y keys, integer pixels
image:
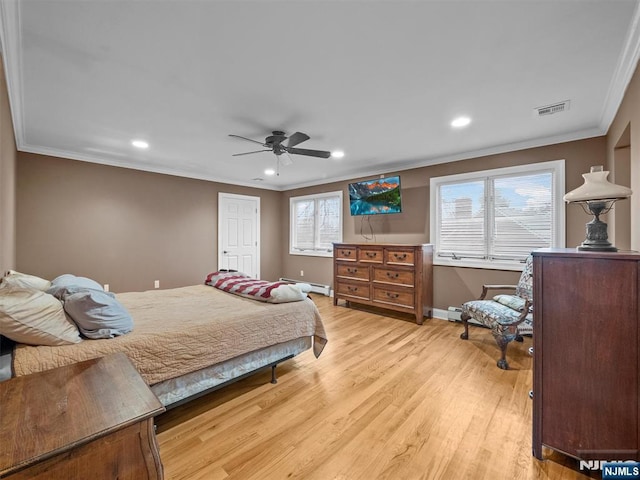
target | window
[
  {"x": 495, "y": 218},
  {"x": 316, "y": 222}
]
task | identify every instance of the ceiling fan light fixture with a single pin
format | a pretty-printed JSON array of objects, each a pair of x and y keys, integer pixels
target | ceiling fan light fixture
[
  {"x": 460, "y": 122},
  {"x": 141, "y": 144},
  {"x": 337, "y": 154}
]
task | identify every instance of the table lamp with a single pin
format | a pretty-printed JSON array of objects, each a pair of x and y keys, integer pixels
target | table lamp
[{"x": 597, "y": 196}]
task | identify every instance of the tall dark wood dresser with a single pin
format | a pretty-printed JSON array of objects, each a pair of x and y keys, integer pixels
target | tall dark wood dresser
[{"x": 586, "y": 340}]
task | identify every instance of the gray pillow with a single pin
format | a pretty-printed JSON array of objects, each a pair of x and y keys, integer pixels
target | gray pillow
[
  {"x": 68, "y": 279},
  {"x": 68, "y": 284},
  {"x": 97, "y": 313}
]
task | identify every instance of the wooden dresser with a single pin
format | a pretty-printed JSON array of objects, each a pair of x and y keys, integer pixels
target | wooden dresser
[
  {"x": 88, "y": 421},
  {"x": 393, "y": 276},
  {"x": 586, "y": 354}
]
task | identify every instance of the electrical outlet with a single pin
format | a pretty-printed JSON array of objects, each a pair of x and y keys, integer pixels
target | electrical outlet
[
  {"x": 302, "y": 273},
  {"x": 156, "y": 284},
  {"x": 106, "y": 287}
]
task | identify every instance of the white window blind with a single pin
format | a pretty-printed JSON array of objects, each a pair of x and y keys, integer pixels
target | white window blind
[
  {"x": 495, "y": 218},
  {"x": 462, "y": 227},
  {"x": 316, "y": 223}
]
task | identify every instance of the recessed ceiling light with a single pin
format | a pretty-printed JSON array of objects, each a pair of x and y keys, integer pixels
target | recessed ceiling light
[
  {"x": 337, "y": 154},
  {"x": 139, "y": 144},
  {"x": 460, "y": 122},
  {"x": 269, "y": 171}
]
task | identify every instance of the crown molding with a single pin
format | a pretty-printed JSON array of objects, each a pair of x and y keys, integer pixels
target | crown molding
[
  {"x": 436, "y": 160},
  {"x": 625, "y": 69},
  {"x": 11, "y": 45}
]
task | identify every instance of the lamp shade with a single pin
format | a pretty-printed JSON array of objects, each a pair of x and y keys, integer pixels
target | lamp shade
[{"x": 597, "y": 187}]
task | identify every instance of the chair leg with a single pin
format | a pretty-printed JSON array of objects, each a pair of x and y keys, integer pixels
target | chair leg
[
  {"x": 464, "y": 318},
  {"x": 502, "y": 343},
  {"x": 503, "y": 335}
]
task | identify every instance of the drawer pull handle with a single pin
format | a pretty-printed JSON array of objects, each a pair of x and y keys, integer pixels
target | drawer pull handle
[
  {"x": 400, "y": 257},
  {"x": 393, "y": 295},
  {"x": 345, "y": 253},
  {"x": 352, "y": 270},
  {"x": 372, "y": 254},
  {"x": 392, "y": 275},
  {"x": 352, "y": 289}
]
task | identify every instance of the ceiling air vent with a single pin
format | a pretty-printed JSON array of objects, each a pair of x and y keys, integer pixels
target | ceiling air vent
[{"x": 551, "y": 109}]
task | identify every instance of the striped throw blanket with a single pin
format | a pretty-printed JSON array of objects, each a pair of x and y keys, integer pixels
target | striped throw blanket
[{"x": 262, "y": 290}]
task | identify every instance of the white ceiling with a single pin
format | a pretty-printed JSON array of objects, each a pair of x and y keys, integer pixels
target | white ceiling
[{"x": 380, "y": 80}]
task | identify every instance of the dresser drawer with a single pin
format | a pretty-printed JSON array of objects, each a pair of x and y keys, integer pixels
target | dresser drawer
[
  {"x": 397, "y": 276},
  {"x": 370, "y": 255},
  {"x": 400, "y": 297},
  {"x": 353, "y": 289},
  {"x": 399, "y": 256},
  {"x": 346, "y": 253},
  {"x": 352, "y": 271}
]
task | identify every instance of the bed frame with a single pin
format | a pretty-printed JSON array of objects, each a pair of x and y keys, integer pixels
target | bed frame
[
  {"x": 6, "y": 353},
  {"x": 183, "y": 389},
  {"x": 210, "y": 378}
]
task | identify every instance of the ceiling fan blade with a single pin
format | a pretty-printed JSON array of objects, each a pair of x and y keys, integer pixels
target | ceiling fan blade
[
  {"x": 310, "y": 153},
  {"x": 249, "y": 153},
  {"x": 245, "y": 138},
  {"x": 297, "y": 138},
  {"x": 285, "y": 160}
]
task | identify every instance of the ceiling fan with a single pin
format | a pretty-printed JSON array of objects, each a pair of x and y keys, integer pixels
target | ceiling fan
[{"x": 274, "y": 143}]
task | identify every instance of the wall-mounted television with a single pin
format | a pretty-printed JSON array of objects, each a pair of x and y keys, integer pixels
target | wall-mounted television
[{"x": 373, "y": 197}]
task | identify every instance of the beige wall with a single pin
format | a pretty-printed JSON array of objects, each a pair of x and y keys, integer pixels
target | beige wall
[
  {"x": 625, "y": 132},
  {"x": 7, "y": 181},
  {"x": 126, "y": 227},
  {"x": 452, "y": 286}
]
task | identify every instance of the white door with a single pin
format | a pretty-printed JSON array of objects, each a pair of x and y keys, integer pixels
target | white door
[{"x": 239, "y": 233}]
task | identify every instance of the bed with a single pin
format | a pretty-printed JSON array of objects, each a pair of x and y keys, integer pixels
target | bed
[{"x": 188, "y": 341}]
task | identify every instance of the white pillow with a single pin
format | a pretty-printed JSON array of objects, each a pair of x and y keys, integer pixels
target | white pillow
[
  {"x": 35, "y": 317},
  {"x": 24, "y": 280},
  {"x": 287, "y": 293}
]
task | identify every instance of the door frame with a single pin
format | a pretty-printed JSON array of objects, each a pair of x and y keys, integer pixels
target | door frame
[{"x": 221, "y": 197}]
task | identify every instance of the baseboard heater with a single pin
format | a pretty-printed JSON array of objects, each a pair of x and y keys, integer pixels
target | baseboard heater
[
  {"x": 315, "y": 287},
  {"x": 453, "y": 315}
]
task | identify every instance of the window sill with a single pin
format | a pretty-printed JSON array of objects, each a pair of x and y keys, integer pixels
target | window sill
[
  {"x": 482, "y": 264},
  {"x": 310, "y": 253}
]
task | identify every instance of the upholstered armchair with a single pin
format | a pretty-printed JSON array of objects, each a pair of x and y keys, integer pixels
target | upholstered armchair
[{"x": 508, "y": 316}]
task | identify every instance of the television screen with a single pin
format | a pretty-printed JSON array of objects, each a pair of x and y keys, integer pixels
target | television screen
[{"x": 373, "y": 197}]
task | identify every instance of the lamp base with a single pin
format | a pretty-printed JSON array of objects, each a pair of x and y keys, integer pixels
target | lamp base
[
  {"x": 597, "y": 238},
  {"x": 594, "y": 248}
]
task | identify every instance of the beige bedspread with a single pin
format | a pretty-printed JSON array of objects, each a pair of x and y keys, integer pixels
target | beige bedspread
[{"x": 182, "y": 330}]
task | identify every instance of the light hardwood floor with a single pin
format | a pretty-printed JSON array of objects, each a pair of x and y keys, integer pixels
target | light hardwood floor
[{"x": 387, "y": 399}]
